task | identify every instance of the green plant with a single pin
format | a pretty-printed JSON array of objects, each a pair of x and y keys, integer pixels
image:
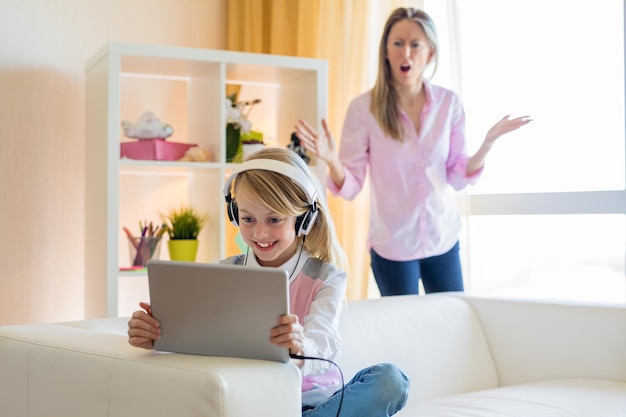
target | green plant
[{"x": 184, "y": 222}]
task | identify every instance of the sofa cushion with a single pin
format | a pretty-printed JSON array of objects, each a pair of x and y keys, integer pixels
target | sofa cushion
[
  {"x": 436, "y": 339},
  {"x": 112, "y": 325},
  {"x": 567, "y": 398}
]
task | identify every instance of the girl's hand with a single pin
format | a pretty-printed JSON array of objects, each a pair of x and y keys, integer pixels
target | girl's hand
[
  {"x": 288, "y": 333},
  {"x": 143, "y": 329},
  {"x": 323, "y": 146},
  {"x": 505, "y": 125}
]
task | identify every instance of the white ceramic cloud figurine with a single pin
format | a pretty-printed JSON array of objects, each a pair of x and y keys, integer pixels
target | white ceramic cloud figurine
[{"x": 147, "y": 127}]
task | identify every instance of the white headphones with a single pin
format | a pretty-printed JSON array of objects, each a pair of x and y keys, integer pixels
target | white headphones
[{"x": 304, "y": 222}]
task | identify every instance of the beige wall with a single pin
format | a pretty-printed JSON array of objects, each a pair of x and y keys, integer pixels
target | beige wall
[{"x": 43, "y": 48}]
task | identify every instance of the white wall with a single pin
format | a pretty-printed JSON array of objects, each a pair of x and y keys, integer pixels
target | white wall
[{"x": 44, "y": 45}]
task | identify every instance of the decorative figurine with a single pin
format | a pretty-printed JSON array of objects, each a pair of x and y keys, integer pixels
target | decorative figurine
[
  {"x": 148, "y": 126},
  {"x": 295, "y": 146}
]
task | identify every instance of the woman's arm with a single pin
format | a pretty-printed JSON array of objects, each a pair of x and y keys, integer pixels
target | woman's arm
[
  {"x": 322, "y": 146},
  {"x": 505, "y": 125}
]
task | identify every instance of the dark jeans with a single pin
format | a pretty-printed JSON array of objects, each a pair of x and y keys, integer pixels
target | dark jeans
[{"x": 438, "y": 273}]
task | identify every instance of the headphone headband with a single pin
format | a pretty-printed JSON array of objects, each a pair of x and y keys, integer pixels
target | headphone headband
[
  {"x": 305, "y": 222},
  {"x": 275, "y": 166}
]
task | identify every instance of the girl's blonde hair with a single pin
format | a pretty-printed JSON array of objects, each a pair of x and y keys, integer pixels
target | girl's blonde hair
[
  {"x": 384, "y": 104},
  {"x": 284, "y": 196}
]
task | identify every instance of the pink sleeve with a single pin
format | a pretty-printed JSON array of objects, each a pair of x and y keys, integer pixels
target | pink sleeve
[
  {"x": 353, "y": 150},
  {"x": 456, "y": 165}
]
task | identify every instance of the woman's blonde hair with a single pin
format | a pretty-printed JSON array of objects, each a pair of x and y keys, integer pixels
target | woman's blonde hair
[
  {"x": 384, "y": 104},
  {"x": 284, "y": 196}
]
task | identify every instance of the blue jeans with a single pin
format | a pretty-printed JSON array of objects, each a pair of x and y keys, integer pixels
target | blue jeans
[
  {"x": 438, "y": 273},
  {"x": 378, "y": 391}
]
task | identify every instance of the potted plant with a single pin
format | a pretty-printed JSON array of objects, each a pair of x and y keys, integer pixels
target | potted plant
[
  {"x": 239, "y": 128},
  {"x": 183, "y": 225}
]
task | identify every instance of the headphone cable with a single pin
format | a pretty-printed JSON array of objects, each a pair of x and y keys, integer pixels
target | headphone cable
[
  {"x": 297, "y": 260},
  {"x": 293, "y": 356},
  {"x": 301, "y": 357},
  {"x": 245, "y": 262}
]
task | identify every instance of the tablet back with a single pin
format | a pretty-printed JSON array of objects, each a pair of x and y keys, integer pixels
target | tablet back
[{"x": 218, "y": 310}]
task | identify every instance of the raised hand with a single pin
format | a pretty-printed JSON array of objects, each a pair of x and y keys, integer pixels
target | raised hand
[
  {"x": 506, "y": 125},
  {"x": 323, "y": 146},
  {"x": 503, "y": 126}
]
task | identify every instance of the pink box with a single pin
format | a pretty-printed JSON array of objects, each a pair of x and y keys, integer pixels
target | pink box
[{"x": 154, "y": 149}]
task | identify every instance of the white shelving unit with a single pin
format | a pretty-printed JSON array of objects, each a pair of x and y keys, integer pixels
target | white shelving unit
[{"x": 185, "y": 87}]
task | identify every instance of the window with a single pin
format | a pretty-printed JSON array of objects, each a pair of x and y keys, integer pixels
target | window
[
  {"x": 548, "y": 217},
  {"x": 568, "y": 256}
]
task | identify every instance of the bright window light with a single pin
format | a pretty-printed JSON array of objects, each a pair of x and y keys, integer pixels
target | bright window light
[{"x": 561, "y": 62}]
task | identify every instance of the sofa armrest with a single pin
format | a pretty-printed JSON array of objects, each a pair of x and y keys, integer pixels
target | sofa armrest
[
  {"x": 541, "y": 340},
  {"x": 54, "y": 369}
]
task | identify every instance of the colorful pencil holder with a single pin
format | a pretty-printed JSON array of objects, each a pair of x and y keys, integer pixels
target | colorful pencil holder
[{"x": 142, "y": 249}]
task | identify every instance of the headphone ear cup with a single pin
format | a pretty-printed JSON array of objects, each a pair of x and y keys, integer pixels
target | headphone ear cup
[
  {"x": 299, "y": 221},
  {"x": 305, "y": 222},
  {"x": 233, "y": 212}
]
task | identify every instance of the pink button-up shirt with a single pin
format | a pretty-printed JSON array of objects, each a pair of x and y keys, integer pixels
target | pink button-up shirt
[{"x": 413, "y": 213}]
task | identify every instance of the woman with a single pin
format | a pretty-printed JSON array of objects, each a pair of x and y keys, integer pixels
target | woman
[{"x": 410, "y": 134}]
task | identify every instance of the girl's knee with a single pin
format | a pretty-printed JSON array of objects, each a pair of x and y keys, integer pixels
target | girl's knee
[
  {"x": 394, "y": 380},
  {"x": 395, "y": 387}
]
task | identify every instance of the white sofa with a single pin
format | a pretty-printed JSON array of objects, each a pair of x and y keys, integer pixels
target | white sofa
[{"x": 465, "y": 356}]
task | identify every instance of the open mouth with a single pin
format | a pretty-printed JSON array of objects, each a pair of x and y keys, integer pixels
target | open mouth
[{"x": 405, "y": 68}]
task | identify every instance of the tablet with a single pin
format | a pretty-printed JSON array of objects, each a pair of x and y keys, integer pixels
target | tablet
[{"x": 218, "y": 309}]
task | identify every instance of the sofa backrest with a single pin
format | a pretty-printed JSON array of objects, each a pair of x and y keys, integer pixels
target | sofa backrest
[
  {"x": 436, "y": 339},
  {"x": 533, "y": 340}
]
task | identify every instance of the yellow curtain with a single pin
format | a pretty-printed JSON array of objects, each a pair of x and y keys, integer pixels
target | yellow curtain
[
  {"x": 335, "y": 30},
  {"x": 279, "y": 27}
]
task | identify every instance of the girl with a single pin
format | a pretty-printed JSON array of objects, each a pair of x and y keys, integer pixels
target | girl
[{"x": 281, "y": 211}]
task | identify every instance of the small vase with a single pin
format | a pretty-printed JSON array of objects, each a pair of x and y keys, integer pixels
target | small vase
[
  {"x": 233, "y": 142},
  {"x": 248, "y": 149},
  {"x": 183, "y": 249}
]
